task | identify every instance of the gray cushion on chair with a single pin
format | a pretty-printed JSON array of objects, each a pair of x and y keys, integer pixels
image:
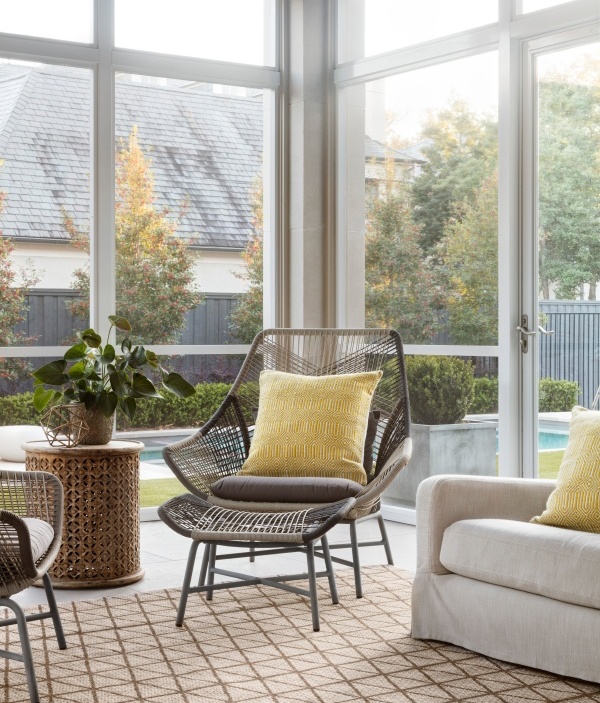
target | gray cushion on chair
[
  {"x": 41, "y": 535},
  {"x": 285, "y": 489}
]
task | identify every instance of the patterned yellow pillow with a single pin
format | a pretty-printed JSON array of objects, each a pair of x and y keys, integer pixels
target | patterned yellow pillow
[
  {"x": 575, "y": 502},
  {"x": 311, "y": 425}
]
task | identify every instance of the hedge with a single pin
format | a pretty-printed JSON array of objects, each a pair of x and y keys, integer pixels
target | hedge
[
  {"x": 554, "y": 396},
  {"x": 425, "y": 381}
]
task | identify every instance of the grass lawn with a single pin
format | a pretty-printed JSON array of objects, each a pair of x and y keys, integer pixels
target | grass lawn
[
  {"x": 549, "y": 463},
  {"x": 155, "y": 491}
]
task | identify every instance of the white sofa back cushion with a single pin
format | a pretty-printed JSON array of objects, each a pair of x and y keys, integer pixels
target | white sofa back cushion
[{"x": 549, "y": 561}]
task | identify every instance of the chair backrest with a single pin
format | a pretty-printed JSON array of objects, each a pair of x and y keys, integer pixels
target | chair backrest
[{"x": 321, "y": 352}]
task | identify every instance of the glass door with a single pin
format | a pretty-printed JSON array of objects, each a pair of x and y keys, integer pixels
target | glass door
[{"x": 560, "y": 325}]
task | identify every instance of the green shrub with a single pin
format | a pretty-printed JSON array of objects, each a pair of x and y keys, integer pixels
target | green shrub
[
  {"x": 172, "y": 411},
  {"x": 485, "y": 397},
  {"x": 557, "y": 396},
  {"x": 18, "y": 410},
  {"x": 440, "y": 388}
]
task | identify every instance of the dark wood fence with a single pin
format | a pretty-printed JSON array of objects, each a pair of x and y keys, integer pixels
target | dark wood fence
[
  {"x": 49, "y": 322},
  {"x": 572, "y": 353}
]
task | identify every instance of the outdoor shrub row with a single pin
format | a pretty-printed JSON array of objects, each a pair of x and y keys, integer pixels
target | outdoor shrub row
[
  {"x": 442, "y": 391},
  {"x": 554, "y": 396}
]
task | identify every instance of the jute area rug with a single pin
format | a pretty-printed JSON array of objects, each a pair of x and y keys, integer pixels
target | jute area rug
[{"x": 257, "y": 644}]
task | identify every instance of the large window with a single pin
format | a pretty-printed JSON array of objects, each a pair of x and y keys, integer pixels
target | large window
[
  {"x": 438, "y": 154},
  {"x": 137, "y": 192}
]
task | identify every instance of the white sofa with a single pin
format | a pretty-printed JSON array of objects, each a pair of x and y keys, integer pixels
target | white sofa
[{"x": 490, "y": 581}]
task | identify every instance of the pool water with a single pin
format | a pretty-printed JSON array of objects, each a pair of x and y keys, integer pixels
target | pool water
[
  {"x": 547, "y": 440},
  {"x": 552, "y": 439}
]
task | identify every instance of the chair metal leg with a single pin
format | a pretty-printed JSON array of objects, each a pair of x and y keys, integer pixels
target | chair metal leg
[
  {"x": 210, "y": 579},
  {"x": 185, "y": 589},
  {"x": 204, "y": 566},
  {"x": 58, "y": 628},
  {"x": 386, "y": 542},
  {"x": 252, "y": 550},
  {"x": 312, "y": 583},
  {"x": 330, "y": 575},
  {"x": 26, "y": 654},
  {"x": 355, "y": 560}
]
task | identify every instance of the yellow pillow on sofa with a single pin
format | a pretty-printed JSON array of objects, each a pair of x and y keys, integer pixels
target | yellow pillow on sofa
[
  {"x": 575, "y": 502},
  {"x": 311, "y": 425}
]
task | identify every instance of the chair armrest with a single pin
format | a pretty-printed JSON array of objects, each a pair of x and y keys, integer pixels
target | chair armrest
[
  {"x": 443, "y": 500},
  {"x": 371, "y": 493},
  {"x": 37, "y": 494},
  {"x": 218, "y": 449},
  {"x": 16, "y": 559}
]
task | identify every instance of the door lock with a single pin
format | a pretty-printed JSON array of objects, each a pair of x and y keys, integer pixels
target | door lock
[{"x": 525, "y": 333}]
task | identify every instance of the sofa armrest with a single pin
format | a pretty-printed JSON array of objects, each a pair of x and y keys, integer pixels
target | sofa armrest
[{"x": 443, "y": 500}]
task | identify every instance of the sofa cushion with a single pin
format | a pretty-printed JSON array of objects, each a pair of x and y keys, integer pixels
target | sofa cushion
[
  {"x": 549, "y": 561},
  {"x": 575, "y": 502},
  {"x": 284, "y": 489}
]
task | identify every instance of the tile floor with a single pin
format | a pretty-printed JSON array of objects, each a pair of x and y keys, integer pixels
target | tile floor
[{"x": 164, "y": 555}]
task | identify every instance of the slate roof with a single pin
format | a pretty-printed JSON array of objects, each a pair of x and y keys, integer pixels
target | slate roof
[{"x": 205, "y": 148}]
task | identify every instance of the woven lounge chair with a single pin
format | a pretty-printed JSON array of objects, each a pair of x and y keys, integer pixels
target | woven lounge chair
[
  {"x": 31, "y": 514},
  {"x": 220, "y": 447}
]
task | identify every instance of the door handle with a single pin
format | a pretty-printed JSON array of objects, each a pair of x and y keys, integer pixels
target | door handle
[
  {"x": 543, "y": 331},
  {"x": 524, "y": 333}
]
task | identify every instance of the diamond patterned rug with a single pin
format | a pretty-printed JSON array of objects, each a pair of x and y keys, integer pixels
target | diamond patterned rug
[{"x": 256, "y": 645}]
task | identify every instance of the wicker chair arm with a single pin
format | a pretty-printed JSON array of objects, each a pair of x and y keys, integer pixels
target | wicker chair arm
[
  {"x": 218, "y": 449},
  {"x": 37, "y": 494},
  {"x": 371, "y": 493},
  {"x": 15, "y": 547}
]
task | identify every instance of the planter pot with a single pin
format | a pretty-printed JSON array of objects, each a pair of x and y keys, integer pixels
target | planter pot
[
  {"x": 445, "y": 449},
  {"x": 100, "y": 427}
]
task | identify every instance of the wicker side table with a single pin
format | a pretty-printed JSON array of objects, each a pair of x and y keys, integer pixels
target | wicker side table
[{"x": 101, "y": 530}]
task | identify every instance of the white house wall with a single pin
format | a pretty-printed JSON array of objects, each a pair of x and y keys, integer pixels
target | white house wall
[{"x": 56, "y": 264}]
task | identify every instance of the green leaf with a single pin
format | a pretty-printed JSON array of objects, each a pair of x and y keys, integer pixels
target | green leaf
[
  {"x": 116, "y": 381},
  {"x": 138, "y": 358},
  {"x": 120, "y": 323},
  {"x": 178, "y": 385},
  {"x": 128, "y": 406},
  {"x": 152, "y": 359},
  {"x": 53, "y": 373},
  {"x": 108, "y": 355},
  {"x": 126, "y": 345},
  {"x": 76, "y": 353},
  {"x": 143, "y": 388},
  {"x": 42, "y": 397},
  {"x": 78, "y": 371},
  {"x": 91, "y": 338},
  {"x": 107, "y": 403}
]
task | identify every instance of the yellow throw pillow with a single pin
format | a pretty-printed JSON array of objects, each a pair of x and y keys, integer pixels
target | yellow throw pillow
[
  {"x": 311, "y": 425},
  {"x": 575, "y": 502}
]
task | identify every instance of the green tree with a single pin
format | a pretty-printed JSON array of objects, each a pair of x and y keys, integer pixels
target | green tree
[
  {"x": 246, "y": 319},
  {"x": 461, "y": 152},
  {"x": 399, "y": 284},
  {"x": 13, "y": 310},
  {"x": 469, "y": 255},
  {"x": 569, "y": 180},
  {"x": 155, "y": 277}
]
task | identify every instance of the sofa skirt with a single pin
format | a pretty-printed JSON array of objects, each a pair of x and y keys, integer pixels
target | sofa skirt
[{"x": 507, "y": 624}]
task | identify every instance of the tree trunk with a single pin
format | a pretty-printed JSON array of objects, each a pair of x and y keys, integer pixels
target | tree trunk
[{"x": 592, "y": 293}]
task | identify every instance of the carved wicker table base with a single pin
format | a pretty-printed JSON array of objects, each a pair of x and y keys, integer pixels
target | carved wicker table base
[{"x": 101, "y": 530}]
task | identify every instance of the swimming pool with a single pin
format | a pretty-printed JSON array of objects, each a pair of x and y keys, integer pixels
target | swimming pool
[{"x": 547, "y": 440}]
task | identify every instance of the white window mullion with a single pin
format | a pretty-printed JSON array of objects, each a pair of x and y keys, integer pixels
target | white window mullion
[{"x": 102, "y": 285}]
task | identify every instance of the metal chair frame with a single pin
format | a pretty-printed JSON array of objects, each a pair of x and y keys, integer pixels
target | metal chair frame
[{"x": 28, "y": 494}]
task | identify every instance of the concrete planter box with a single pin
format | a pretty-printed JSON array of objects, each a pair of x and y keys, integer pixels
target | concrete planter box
[{"x": 445, "y": 449}]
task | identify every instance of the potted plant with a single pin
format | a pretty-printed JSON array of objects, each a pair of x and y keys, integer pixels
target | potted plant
[
  {"x": 98, "y": 380},
  {"x": 441, "y": 391}
]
